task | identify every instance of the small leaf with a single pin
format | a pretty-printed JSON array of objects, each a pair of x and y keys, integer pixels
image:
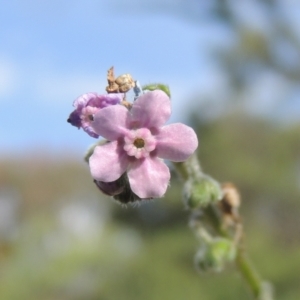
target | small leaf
[{"x": 157, "y": 86}]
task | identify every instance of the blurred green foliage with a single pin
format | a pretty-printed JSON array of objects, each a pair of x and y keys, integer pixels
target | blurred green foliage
[
  {"x": 147, "y": 251},
  {"x": 67, "y": 241}
]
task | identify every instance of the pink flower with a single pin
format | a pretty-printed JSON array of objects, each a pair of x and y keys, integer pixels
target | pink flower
[
  {"x": 87, "y": 105},
  {"x": 139, "y": 142}
]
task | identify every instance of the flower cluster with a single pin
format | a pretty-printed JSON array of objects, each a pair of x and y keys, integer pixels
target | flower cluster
[{"x": 137, "y": 142}]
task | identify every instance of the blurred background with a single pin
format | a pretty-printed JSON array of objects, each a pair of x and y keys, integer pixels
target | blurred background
[{"x": 233, "y": 68}]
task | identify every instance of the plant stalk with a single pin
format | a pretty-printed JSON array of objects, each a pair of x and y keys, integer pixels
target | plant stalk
[{"x": 191, "y": 169}]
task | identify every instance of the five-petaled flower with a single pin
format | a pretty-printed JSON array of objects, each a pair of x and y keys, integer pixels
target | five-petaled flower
[
  {"x": 138, "y": 143},
  {"x": 87, "y": 105}
]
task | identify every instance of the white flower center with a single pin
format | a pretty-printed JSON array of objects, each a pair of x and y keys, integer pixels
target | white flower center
[{"x": 139, "y": 143}]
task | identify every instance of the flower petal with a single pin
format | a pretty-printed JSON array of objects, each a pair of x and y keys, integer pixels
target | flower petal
[
  {"x": 110, "y": 122},
  {"x": 176, "y": 142},
  {"x": 149, "y": 177},
  {"x": 152, "y": 109},
  {"x": 96, "y": 100},
  {"x": 108, "y": 162},
  {"x": 90, "y": 131},
  {"x": 82, "y": 100},
  {"x": 102, "y": 101}
]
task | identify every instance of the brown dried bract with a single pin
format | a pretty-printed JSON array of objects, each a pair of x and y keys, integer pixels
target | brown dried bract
[
  {"x": 112, "y": 86},
  {"x": 230, "y": 203},
  {"x": 125, "y": 83},
  {"x": 121, "y": 84}
]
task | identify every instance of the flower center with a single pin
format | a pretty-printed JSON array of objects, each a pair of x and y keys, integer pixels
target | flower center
[{"x": 139, "y": 143}]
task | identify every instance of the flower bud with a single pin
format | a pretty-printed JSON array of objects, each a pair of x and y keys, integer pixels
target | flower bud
[
  {"x": 110, "y": 188},
  {"x": 201, "y": 192},
  {"x": 213, "y": 255},
  {"x": 120, "y": 190}
]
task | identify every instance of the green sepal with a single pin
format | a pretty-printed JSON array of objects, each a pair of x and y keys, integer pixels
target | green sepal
[{"x": 157, "y": 86}]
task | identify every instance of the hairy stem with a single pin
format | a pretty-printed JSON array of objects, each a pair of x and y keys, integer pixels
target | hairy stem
[
  {"x": 249, "y": 273},
  {"x": 191, "y": 169}
]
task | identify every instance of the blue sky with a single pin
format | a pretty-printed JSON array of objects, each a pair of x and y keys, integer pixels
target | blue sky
[{"x": 53, "y": 51}]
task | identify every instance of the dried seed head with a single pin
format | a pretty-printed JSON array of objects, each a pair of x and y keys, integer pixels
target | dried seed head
[
  {"x": 229, "y": 204},
  {"x": 125, "y": 83},
  {"x": 231, "y": 195},
  {"x": 112, "y": 86},
  {"x": 121, "y": 84}
]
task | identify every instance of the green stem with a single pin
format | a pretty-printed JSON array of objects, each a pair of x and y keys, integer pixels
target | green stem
[
  {"x": 249, "y": 273},
  {"x": 214, "y": 219},
  {"x": 260, "y": 290},
  {"x": 191, "y": 169}
]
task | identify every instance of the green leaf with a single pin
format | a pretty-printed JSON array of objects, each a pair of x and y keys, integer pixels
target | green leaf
[{"x": 157, "y": 86}]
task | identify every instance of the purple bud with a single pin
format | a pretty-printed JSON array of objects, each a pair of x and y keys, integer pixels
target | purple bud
[
  {"x": 109, "y": 188},
  {"x": 119, "y": 189}
]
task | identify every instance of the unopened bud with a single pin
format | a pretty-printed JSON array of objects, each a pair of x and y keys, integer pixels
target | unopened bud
[
  {"x": 212, "y": 256},
  {"x": 127, "y": 195},
  {"x": 201, "y": 192},
  {"x": 120, "y": 190},
  {"x": 110, "y": 188}
]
